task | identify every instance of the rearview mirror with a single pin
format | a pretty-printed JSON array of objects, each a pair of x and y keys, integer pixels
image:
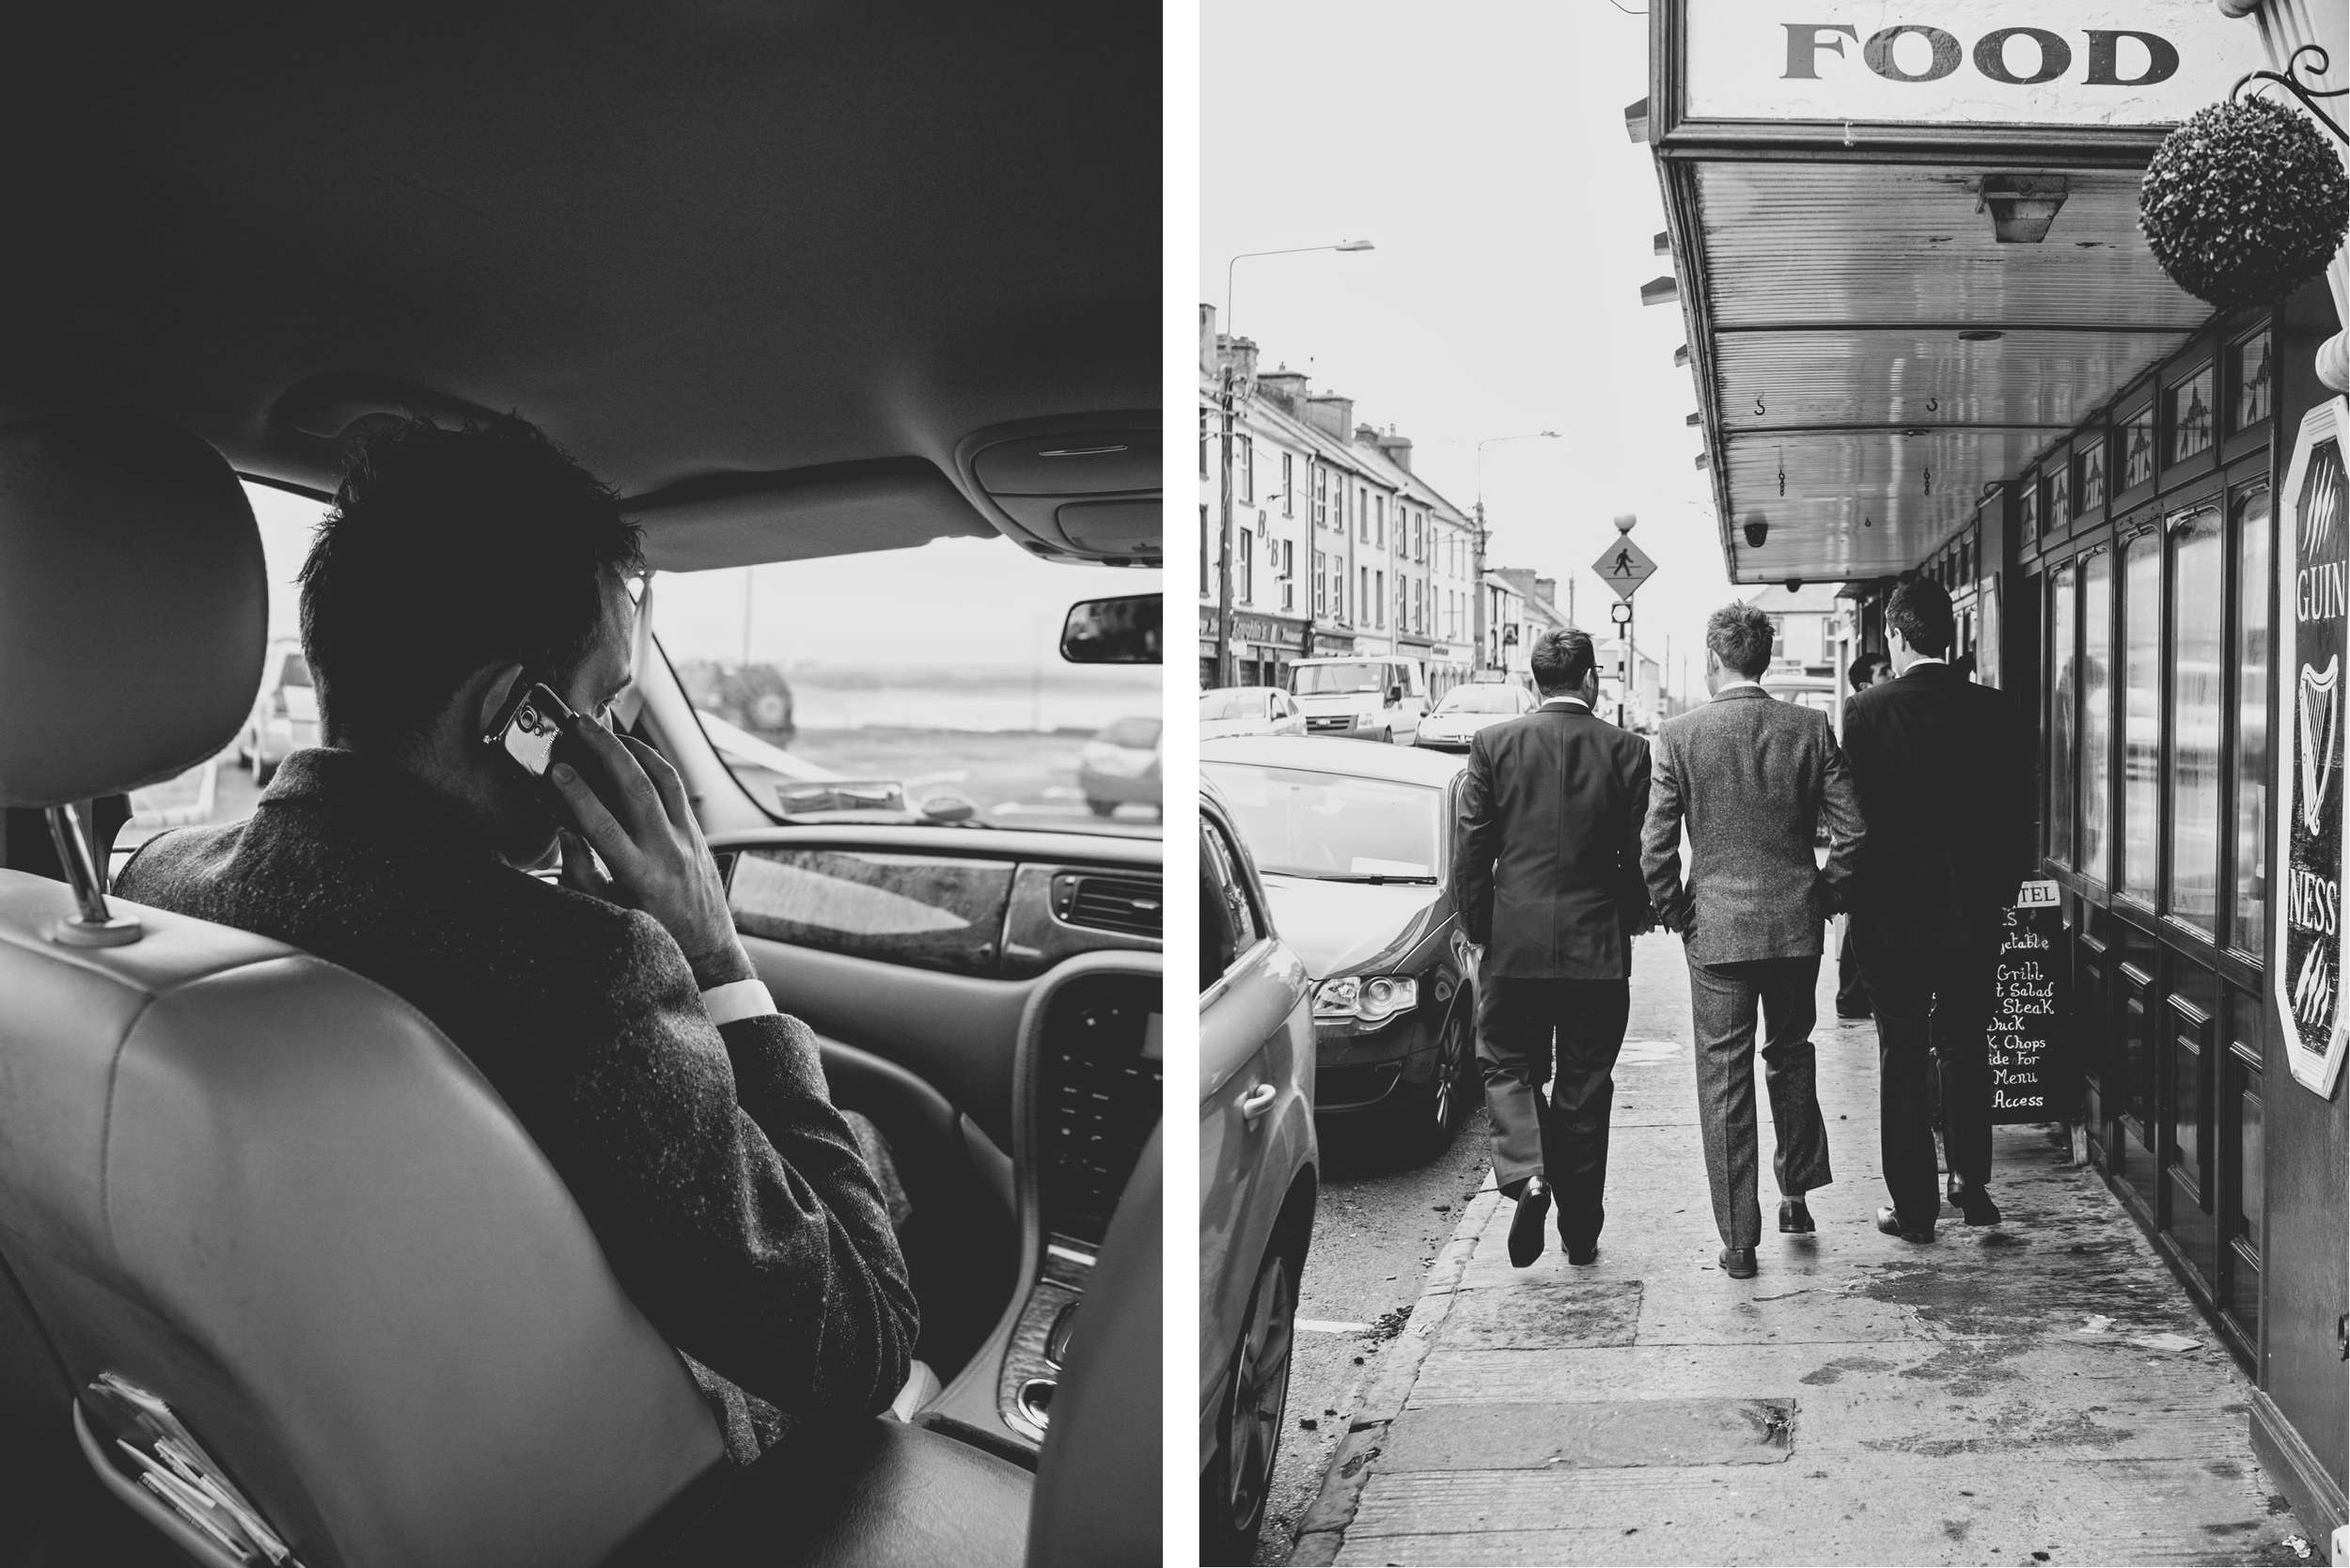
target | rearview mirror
[{"x": 1113, "y": 630}]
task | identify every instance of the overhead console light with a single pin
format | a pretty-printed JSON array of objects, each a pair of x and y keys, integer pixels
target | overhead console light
[
  {"x": 1083, "y": 487},
  {"x": 2022, "y": 205}
]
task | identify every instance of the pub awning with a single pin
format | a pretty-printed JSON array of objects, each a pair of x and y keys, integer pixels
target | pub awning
[{"x": 1887, "y": 315}]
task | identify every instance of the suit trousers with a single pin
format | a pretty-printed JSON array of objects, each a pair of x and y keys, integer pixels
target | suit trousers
[
  {"x": 1564, "y": 1142},
  {"x": 1933, "y": 1003},
  {"x": 1850, "y": 998},
  {"x": 1723, "y": 1001}
]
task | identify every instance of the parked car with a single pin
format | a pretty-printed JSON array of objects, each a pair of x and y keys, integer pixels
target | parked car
[
  {"x": 1354, "y": 844},
  {"x": 1470, "y": 707},
  {"x": 1362, "y": 699},
  {"x": 285, "y": 713},
  {"x": 1249, "y": 711},
  {"x": 1121, "y": 764},
  {"x": 1258, "y": 1164}
]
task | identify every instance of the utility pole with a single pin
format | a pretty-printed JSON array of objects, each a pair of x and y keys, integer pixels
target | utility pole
[
  {"x": 1476, "y": 589},
  {"x": 1228, "y": 398}
]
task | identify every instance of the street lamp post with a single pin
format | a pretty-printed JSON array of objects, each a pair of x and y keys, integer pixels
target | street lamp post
[
  {"x": 1230, "y": 391},
  {"x": 1476, "y": 566}
]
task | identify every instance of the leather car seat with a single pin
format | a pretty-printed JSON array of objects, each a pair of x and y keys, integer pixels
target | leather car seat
[{"x": 273, "y": 1195}]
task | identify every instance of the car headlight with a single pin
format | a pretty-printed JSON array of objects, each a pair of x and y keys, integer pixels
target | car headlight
[{"x": 1373, "y": 999}]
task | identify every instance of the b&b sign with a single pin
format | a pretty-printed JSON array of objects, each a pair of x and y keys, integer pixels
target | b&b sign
[
  {"x": 2314, "y": 637},
  {"x": 2031, "y": 1080}
]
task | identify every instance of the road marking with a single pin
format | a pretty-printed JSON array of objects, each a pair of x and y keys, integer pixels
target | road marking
[{"x": 1316, "y": 1326}]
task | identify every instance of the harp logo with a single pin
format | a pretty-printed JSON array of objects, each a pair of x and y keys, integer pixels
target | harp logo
[{"x": 2320, "y": 706}]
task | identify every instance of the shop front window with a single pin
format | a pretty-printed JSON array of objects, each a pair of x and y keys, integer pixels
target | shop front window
[
  {"x": 2141, "y": 733},
  {"x": 2197, "y": 652},
  {"x": 2097, "y": 714},
  {"x": 2030, "y": 504},
  {"x": 2255, "y": 595},
  {"x": 2189, "y": 415},
  {"x": 2138, "y": 447},
  {"x": 2059, "y": 493},
  {"x": 2255, "y": 384},
  {"x": 2063, "y": 702},
  {"x": 2089, "y": 488}
]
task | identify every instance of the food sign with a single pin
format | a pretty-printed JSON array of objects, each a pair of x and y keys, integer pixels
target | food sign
[
  {"x": 2313, "y": 622},
  {"x": 2029, "y": 1079}
]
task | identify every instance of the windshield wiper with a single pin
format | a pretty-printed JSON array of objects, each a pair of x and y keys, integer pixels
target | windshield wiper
[{"x": 1375, "y": 878}]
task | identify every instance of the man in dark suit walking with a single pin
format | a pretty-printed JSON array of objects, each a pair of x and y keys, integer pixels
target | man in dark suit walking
[
  {"x": 1547, "y": 879},
  {"x": 1751, "y": 778},
  {"x": 1945, "y": 772},
  {"x": 1850, "y": 1000}
]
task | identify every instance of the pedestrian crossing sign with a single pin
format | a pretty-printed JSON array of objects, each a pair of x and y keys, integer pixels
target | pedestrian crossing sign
[{"x": 1623, "y": 566}]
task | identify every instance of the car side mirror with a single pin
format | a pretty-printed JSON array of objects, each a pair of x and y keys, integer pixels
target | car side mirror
[{"x": 1122, "y": 631}]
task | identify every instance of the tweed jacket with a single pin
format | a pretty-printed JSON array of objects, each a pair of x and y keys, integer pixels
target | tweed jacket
[
  {"x": 726, "y": 1192},
  {"x": 1547, "y": 853},
  {"x": 1945, "y": 770},
  {"x": 1752, "y": 779}
]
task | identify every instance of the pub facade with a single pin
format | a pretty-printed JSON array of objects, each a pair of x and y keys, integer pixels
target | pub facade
[{"x": 1929, "y": 338}]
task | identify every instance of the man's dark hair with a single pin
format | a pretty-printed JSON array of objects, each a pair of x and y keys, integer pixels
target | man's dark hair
[
  {"x": 1561, "y": 659},
  {"x": 1740, "y": 636},
  {"x": 1862, "y": 666},
  {"x": 448, "y": 549},
  {"x": 1921, "y": 612}
]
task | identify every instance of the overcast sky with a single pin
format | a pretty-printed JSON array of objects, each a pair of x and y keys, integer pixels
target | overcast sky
[{"x": 1483, "y": 149}]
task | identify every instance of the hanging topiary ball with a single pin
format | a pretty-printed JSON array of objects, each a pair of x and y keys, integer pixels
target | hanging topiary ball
[{"x": 2243, "y": 203}]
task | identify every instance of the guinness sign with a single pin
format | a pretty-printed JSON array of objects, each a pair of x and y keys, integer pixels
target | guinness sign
[{"x": 2313, "y": 645}]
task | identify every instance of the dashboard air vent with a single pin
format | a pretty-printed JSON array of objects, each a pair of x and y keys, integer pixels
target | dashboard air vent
[{"x": 1129, "y": 905}]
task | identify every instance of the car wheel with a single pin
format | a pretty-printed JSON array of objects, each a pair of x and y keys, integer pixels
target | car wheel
[
  {"x": 1101, "y": 808},
  {"x": 1426, "y": 1117},
  {"x": 1387, "y": 737},
  {"x": 1239, "y": 1477}
]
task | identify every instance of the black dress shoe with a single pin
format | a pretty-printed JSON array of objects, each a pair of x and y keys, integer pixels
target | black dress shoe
[
  {"x": 1738, "y": 1261},
  {"x": 1526, "y": 1230},
  {"x": 1582, "y": 1256},
  {"x": 1891, "y": 1223},
  {"x": 1974, "y": 1203},
  {"x": 1794, "y": 1216}
]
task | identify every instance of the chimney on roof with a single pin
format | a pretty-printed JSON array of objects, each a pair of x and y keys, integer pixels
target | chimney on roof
[
  {"x": 1546, "y": 589},
  {"x": 1208, "y": 339},
  {"x": 1395, "y": 448},
  {"x": 1241, "y": 353},
  {"x": 1284, "y": 386},
  {"x": 1330, "y": 413}
]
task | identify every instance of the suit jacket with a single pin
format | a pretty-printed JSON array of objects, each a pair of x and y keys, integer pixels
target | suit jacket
[
  {"x": 1546, "y": 862},
  {"x": 728, "y": 1195},
  {"x": 1752, "y": 779},
  {"x": 1945, "y": 772}
]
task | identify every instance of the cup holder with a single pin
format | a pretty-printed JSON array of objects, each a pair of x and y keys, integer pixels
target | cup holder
[{"x": 1035, "y": 1400}]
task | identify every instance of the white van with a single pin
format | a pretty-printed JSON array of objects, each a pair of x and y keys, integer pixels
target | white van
[{"x": 1371, "y": 697}]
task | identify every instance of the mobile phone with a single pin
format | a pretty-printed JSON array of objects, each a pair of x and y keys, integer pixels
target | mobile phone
[{"x": 531, "y": 727}]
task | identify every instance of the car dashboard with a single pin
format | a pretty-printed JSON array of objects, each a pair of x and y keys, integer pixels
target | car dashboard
[{"x": 976, "y": 991}]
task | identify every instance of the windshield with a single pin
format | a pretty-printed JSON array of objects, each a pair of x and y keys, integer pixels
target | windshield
[
  {"x": 1479, "y": 700},
  {"x": 877, "y": 683},
  {"x": 1232, "y": 702},
  {"x": 1299, "y": 822},
  {"x": 1322, "y": 679}
]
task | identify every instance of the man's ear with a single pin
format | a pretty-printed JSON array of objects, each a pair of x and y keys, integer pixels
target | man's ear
[{"x": 502, "y": 682}]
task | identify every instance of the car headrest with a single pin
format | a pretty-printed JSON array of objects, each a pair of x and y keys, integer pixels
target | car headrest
[{"x": 134, "y": 605}]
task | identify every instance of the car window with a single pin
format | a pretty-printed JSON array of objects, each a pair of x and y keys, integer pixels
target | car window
[
  {"x": 1245, "y": 923},
  {"x": 1482, "y": 700},
  {"x": 1217, "y": 947},
  {"x": 864, "y": 685},
  {"x": 1223, "y": 704},
  {"x": 1326, "y": 680},
  {"x": 226, "y": 787},
  {"x": 1302, "y": 822}
]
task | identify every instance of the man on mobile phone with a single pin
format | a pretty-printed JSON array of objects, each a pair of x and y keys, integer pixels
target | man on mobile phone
[{"x": 617, "y": 1013}]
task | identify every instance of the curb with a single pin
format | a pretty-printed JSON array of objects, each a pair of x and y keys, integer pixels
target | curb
[{"x": 1322, "y": 1528}]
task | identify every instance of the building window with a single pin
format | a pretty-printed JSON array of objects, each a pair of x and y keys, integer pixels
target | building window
[
  {"x": 1362, "y": 515},
  {"x": 2141, "y": 727},
  {"x": 2096, "y": 802},
  {"x": 2089, "y": 482},
  {"x": 1244, "y": 578},
  {"x": 2187, "y": 415},
  {"x": 1363, "y": 601},
  {"x": 1322, "y": 497},
  {"x": 1288, "y": 494},
  {"x": 2059, "y": 506},
  {"x": 1246, "y": 460},
  {"x": 2063, "y": 700},
  {"x": 2196, "y": 655},
  {"x": 1288, "y": 573},
  {"x": 1379, "y": 516},
  {"x": 2255, "y": 595},
  {"x": 1207, "y": 571},
  {"x": 2138, "y": 447},
  {"x": 2028, "y": 505},
  {"x": 1379, "y": 598},
  {"x": 2250, "y": 373},
  {"x": 1322, "y": 583},
  {"x": 1203, "y": 442}
]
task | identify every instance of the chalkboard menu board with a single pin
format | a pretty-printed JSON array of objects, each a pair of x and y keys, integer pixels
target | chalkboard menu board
[{"x": 2030, "y": 1075}]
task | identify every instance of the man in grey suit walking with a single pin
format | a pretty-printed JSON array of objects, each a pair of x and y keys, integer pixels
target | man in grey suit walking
[
  {"x": 1752, "y": 779},
  {"x": 1547, "y": 879}
]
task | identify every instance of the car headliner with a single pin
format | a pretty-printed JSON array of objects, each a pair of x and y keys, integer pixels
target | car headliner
[
  {"x": 718, "y": 249},
  {"x": 1324, "y": 754}
]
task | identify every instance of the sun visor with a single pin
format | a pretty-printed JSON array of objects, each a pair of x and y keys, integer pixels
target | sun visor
[
  {"x": 1084, "y": 487},
  {"x": 134, "y": 605},
  {"x": 839, "y": 509}
]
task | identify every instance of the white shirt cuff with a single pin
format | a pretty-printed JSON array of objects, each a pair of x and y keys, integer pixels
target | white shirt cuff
[{"x": 736, "y": 1000}]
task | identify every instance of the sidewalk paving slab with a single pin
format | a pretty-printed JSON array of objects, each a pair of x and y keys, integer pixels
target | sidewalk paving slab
[{"x": 1983, "y": 1398}]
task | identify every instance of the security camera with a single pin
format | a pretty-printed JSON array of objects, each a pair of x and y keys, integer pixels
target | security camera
[{"x": 1757, "y": 530}]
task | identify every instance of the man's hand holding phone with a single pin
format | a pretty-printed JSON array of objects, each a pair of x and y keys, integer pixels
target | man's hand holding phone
[{"x": 637, "y": 819}]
